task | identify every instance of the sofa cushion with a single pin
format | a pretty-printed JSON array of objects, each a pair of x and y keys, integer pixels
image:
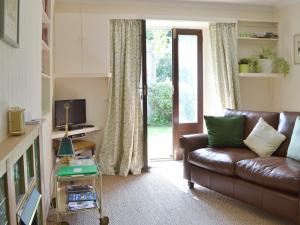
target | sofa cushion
[
  {"x": 264, "y": 139},
  {"x": 286, "y": 127},
  {"x": 220, "y": 160},
  {"x": 218, "y": 127},
  {"x": 293, "y": 150},
  {"x": 274, "y": 172},
  {"x": 253, "y": 117}
]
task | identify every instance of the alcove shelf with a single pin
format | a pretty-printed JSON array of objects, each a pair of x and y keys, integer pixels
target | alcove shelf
[
  {"x": 83, "y": 75},
  {"x": 261, "y": 75},
  {"x": 257, "y": 39}
]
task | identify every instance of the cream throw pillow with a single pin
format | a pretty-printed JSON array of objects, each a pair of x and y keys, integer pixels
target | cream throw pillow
[{"x": 264, "y": 139}]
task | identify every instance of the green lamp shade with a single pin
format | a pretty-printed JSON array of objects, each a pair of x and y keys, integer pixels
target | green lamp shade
[{"x": 65, "y": 147}]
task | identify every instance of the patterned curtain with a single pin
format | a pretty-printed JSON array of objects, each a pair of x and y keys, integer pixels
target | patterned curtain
[
  {"x": 122, "y": 148},
  {"x": 225, "y": 63}
]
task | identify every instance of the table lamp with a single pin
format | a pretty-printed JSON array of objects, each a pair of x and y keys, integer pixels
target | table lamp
[{"x": 66, "y": 150}]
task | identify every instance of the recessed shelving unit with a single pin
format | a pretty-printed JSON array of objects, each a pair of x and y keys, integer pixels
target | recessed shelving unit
[
  {"x": 46, "y": 56},
  {"x": 250, "y": 46},
  {"x": 257, "y": 89}
]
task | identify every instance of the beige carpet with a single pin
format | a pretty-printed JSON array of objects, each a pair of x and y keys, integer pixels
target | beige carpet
[{"x": 161, "y": 197}]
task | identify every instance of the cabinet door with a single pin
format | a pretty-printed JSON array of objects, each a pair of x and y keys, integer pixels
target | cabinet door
[
  {"x": 68, "y": 43},
  {"x": 95, "y": 30}
]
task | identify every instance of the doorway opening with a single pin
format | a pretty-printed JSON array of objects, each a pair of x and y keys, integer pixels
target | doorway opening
[
  {"x": 174, "y": 85},
  {"x": 160, "y": 93}
]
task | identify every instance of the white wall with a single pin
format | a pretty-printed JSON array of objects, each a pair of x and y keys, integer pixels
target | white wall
[
  {"x": 175, "y": 11},
  {"x": 287, "y": 89},
  {"x": 20, "y": 68}
]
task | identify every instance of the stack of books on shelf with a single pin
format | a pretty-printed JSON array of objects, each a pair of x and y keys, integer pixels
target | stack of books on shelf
[{"x": 81, "y": 197}]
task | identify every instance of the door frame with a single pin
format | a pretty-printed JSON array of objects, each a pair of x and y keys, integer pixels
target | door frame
[
  {"x": 185, "y": 128},
  {"x": 144, "y": 96}
]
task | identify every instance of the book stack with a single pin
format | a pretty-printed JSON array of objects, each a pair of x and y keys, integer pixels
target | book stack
[{"x": 81, "y": 197}]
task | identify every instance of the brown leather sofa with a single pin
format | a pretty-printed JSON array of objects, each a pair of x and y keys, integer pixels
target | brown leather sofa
[{"x": 271, "y": 183}]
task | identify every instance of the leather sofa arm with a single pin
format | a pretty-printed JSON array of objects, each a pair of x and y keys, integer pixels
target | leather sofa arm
[{"x": 190, "y": 143}]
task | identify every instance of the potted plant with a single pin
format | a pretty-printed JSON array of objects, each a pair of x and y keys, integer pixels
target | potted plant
[
  {"x": 266, "y": 57},
  {"x": 244, "y": 65},
  {"x": 254, "y": 66},
  {"x": 282, "y": 66}
]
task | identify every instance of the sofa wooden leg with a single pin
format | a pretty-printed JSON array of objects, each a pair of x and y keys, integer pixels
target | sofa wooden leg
[{"x": 191, "y": 185}]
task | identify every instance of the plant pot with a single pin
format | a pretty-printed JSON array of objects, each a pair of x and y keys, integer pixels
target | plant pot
[
  {"x": 244, "y": 68},
  {"x": 266, "y": 65}
]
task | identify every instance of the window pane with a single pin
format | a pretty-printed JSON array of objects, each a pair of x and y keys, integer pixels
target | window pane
[{"x": 188, "y": 78}]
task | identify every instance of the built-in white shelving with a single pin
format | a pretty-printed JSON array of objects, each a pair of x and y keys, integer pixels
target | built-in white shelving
[
  {"x": 257, "y": 39},
  {"x": 81, "y": 75},
  {"x": 261, "y": 75}
]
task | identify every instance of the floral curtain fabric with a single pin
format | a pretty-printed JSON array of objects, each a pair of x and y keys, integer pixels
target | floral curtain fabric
[
  {"x": 122, "y": 148},
  {"x": 225, "y": 64}
]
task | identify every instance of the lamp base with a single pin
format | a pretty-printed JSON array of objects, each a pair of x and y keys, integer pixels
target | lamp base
[{"x": 65, "y": 159}]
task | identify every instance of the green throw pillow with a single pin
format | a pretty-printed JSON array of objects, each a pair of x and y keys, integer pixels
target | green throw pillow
[
  {"x": 294, "y": 146},
  {"x": 225, "y": 131}
]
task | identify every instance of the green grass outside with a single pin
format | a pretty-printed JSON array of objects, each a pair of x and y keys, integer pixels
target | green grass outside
[{"x": 159, "y": 130}]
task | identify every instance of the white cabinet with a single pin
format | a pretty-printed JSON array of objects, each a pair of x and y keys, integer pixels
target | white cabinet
[
  {"x": 95, "y": 44},
  {"x": 81, "y": 44}
]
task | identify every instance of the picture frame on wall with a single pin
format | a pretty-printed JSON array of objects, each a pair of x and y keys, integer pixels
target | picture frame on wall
[
  {"x": 297, "y": 49},
  {"x": 9, "y": 21}
]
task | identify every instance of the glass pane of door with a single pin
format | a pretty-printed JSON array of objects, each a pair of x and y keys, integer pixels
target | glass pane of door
[{"x": 188, "y": 78}]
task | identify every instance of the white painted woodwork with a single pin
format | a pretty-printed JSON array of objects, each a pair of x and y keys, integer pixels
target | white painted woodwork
[
  {"x": 61, "y": 134},
  {"x": 14, "y": 148}
]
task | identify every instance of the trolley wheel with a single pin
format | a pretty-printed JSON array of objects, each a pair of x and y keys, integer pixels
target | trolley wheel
[{"x": 104, "y": 220}]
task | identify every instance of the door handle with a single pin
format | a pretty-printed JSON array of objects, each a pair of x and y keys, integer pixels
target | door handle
[{"x": 145, "y": 90}]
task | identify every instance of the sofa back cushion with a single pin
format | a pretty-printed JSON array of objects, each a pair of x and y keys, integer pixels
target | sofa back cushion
[
  {"x": 271, "y": 118},
  {"x": 286, "y": 127}
]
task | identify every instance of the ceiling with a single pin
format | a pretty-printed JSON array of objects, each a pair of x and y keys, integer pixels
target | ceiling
[{"x": 270, "y": 3}]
